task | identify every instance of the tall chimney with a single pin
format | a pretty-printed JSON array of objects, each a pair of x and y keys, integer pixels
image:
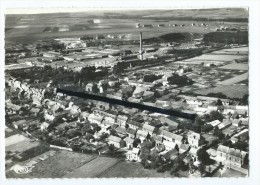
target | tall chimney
[{"x": 141, "y": 47}]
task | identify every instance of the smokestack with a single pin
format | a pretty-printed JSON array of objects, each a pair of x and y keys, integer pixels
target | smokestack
[{"x": 141, "y": 47}]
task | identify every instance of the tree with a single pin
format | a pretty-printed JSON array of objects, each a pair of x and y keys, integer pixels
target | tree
[
  {"x": 111, "y": 148},
  {"x": 219, "y": 102},
  {"x": 215, "y": 115},
  {"x": 218, "y": 133},
  {"x": 244, "y": 100},
  {"x": 145, "y": 153},
  {"x": 95, "y": 89},
  {"x": 202, "y": 169},
  {"x": 203, "y": 156},
  {"x": 198, "y": 121}
]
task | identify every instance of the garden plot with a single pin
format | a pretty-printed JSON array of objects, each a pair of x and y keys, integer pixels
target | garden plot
[{"x": 94, "y": 168}]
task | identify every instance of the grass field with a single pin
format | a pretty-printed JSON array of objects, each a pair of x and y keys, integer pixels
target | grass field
[
  {"x": 130, "y": 169},
  {"x": 62, "y": 163},
  {"x": 94, "y": 168},
  {"x": 15, "y": 139},
  {"x": 235, "y": 66},
  {"x": 236, "y": 91},
  {"x": 235, "y": 79}
]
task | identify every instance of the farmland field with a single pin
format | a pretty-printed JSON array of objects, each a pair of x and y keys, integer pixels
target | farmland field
[
  {"x": 235, "y": 66},
  {"x": 130, "y": 169},
  {"x": 93, "y": 168},
  {"x": 232, "y": 91},
  {"x": 235, "y": 79},
  {"x": 197, "y": 62},
  {"x": 213, "y": 57},
  {"x": 21, "y": 27}
]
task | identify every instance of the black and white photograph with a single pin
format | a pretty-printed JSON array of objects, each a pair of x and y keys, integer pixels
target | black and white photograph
[{"x": 127, "y": 93}]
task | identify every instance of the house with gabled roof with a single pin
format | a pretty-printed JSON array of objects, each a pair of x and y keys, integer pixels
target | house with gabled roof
[
  {"x": 133, "y": 155},
  {"x": 121, "y": 120},
  {"x": 231, "y": 157},
  {"x": 169, "y": 145},
  {"x": 142, "y": 135},
  {"x": 195, "y": 139},
  {"x": 148, "y": 128},
  {"x": 225, "y": 123},
  {"x": 116, "y": 141},
  {"x": 157, "y": 138},
  {"x": 129, "y": 142},
  {"x": 131, "y": 133},
  {"x": 172, "y": 137},
  {"x": 214, "y": 123},
  {"x": 95, "y": 119},
  {"x": 121, "y": 131},
  {"x": 134, "y": 124},
  {"x": 184, "y": 148},
  {"x": 171, "y": 155}
]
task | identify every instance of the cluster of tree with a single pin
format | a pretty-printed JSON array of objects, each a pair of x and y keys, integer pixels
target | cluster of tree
[
  {"x": 213, "y": 115},
  {"x": 127, "y": 92},
  {"x": 151, "y": 77},
  {"x": 200, "y": 122},
  {"x": 179, "y": 80},
  {"x": 217, "y": 95},
  {"x": 240, "y": 144},
  {"x": 60, "y": 75},
  {"x": 244, "y": 100},
  {"x": 227, "y": 37}
]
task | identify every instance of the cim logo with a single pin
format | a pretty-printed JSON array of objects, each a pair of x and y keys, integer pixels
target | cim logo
[{"x": 22, "y": 169}]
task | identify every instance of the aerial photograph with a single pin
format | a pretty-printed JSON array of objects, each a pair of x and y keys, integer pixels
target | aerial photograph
[{"x": 127, "y": 93}]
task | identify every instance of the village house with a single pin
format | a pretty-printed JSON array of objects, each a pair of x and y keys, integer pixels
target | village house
[
  {"x": 121, "y": 120},
  {"x": 89, "y": 87},
  {"x": 184, "y": 148},
  {"x": 131, "y": 133},
  {"x": 172, "y": 137},
  {"x": 230, "y": 157},
  {"x": 95, "y": 119},
  {"x": 193, "y": 102},
  {"x": 44, "y": 126},
  {"x": 121, "y": 131},
  {"x": 133, "y": 155},
  {"x": 134, "y": 124},
  {"x": 169, "y": 145},
  {"x": 225, "y": 123},
  {"x": 116, "y": 141},
  {"x": 109, "y": 119},
  {"x": 142, "y": 135},
  {"x": 83, "y": 116},
  {"x": 150, "y": 129},
  {"x": 147, "y": 95},
  {"x": 171, "y": 155},
  {"x": 162, "y": 103},
  {"x": 129, "y": 142},
  {"x": 195, "y": 140},
  {"x": 214, "y": 123},
  {"x": 158, "y": 139},
  {"x": 105, "y": 126}
]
